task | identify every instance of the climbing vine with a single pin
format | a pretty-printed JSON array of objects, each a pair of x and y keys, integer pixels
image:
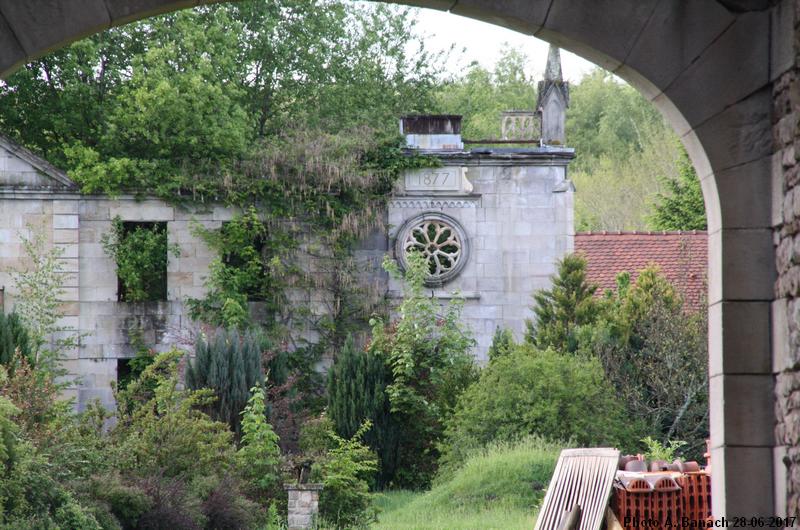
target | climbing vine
[{"x": 304, "y": 203}]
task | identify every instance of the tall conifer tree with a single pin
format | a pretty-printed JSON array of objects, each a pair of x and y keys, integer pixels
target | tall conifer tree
[
  {"x": 560, "y": 310},
  {"x": 230, "y": 365},
  {"x": 357, "y": 392},
  {"x": 683, "y": 207},
  {"x": 13, "y": 337}
]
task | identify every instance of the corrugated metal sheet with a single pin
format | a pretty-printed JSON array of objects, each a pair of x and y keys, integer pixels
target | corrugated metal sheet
[{"x": 582, "y": 477}]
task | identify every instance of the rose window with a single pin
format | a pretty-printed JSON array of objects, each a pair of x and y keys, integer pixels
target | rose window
[{"x": 440, "y": 239}]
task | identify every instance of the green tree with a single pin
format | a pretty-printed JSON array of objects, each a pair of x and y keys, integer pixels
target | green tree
[
  {"x": 229, "y": 364},
  {"x": 502, "y": 344},
  {"x": 40, "y": 286},
  {"x": 643, "y": 339},
  {"x": 357, "y": 384},
  {"x": 558, "y": 396},
  {"x": 625, "y": 152},
  {"x": 607, "y": 118},
  {"x": 8, "y": 432},
  {"x": 259, "y": 456},
  {"x": 173, "y": 105},
  {"x": 346, "y": 471},
  {"x": 563, "y": 308},
  {"x": 427, "y": 355},
  {"x": 481, "y": 95},
  {"x": 682, "y": 208}
]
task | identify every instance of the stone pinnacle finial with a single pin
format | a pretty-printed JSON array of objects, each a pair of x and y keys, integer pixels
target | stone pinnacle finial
[
  {"x": 552, "y": 100},
  {"x": 552, "y": 71}
]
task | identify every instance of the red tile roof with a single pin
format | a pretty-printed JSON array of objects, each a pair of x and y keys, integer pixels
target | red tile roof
[{"x": 681, "y": 256}]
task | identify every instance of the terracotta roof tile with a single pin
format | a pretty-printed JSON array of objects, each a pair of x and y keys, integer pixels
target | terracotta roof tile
[{"x": 681, "y": 256}]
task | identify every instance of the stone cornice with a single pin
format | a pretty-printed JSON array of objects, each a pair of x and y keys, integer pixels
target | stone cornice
[{"x": 460, "y": 201}]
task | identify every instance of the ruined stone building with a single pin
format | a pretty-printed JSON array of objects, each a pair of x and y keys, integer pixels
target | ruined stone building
[{"x": 492, "y": 220}]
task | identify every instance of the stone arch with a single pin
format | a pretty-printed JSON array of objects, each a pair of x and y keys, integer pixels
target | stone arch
[{"x": 709, "y": 66}]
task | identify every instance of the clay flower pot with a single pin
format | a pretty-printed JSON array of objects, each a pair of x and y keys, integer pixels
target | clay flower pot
[
  {"x": 689, "y": 467},
  {"x": 659, "y": 465},
  {"x": 623, "y": 461},
  {"x": 638, "y": 466}
]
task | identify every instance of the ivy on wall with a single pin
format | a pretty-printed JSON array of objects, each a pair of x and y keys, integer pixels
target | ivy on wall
[{"x": 305, "y": 202}]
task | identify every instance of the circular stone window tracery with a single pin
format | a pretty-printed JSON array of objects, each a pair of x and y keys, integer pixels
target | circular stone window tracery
[{"x": 442, "y": 242}]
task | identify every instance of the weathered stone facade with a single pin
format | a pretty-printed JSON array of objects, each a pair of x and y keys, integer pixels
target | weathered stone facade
[
  {"x": 514, "y": 205},
  {"x": 36, "y": 196},
  {"x": 516, "y": 212},
  {"x": 786, "y": 308},
  {"x": 508, "y": 213}
]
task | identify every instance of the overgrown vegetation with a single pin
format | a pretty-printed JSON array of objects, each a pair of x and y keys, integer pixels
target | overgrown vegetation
[
  {"x": 643, "y": 335},
  {"x": 14, "y": 340},
  {"x": 426, "y": 366},
  {"x": 40, "y": 286},
  {"x": 345, "y": 467},
  {"x": 140, "y": 251},
  {"x": 229, "y": 363},
  {"x": 287, "y": 118},
  {"x": 683, "y": 207},
  {"x": 558, "y": 396},
  {"x": 499, "y": 487}
]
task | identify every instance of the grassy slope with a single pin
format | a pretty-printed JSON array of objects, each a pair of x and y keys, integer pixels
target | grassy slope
[{"x": 500, "y": 488}]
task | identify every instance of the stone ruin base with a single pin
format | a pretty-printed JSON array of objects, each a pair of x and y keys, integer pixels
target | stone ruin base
[{"x": 303, "y": 505}]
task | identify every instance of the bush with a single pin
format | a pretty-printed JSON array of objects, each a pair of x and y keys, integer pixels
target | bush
[
  {"x": 230, "y": 365},
  {"x": 165, "y": 432},
  {"x": 127, "y": 503},
  {"x": 345, "y": 472},
  {"x": 14, "y": 340},
  {"x": 173, "y": 506},
  {"x": 226, "y": 508},
  {"x": 43, "y": 416},
  {"x": 655, "y": 353},
  {"x": 31, "y": 498},
  {"x": 553, "y": 395},
  {"x": 8, "y": 435}
]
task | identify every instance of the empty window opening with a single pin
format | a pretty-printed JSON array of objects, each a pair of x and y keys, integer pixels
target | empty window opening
[{"x": 142, "y": 275}]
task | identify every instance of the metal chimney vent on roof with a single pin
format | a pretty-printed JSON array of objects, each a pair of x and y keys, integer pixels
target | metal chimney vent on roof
[
  {"x": 431, "y": 124},
  {"x": 432, "y": 132}
]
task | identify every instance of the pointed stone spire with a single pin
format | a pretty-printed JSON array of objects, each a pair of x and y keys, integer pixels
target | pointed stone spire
[
  {"x": 552, "y": 71},
  {"x": 553, "y": 100}
]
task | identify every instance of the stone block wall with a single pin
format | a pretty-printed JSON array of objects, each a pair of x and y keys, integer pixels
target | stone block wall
[
  {"x": 518, "y": 218},
  {"x": 77, "y": 223},
  {"x": 786, "y": 308}
]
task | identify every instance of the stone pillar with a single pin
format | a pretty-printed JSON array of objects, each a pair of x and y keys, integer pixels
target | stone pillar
[
  {"x": 303, "y": 505},
  {"x": 786, "y": 308}
]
